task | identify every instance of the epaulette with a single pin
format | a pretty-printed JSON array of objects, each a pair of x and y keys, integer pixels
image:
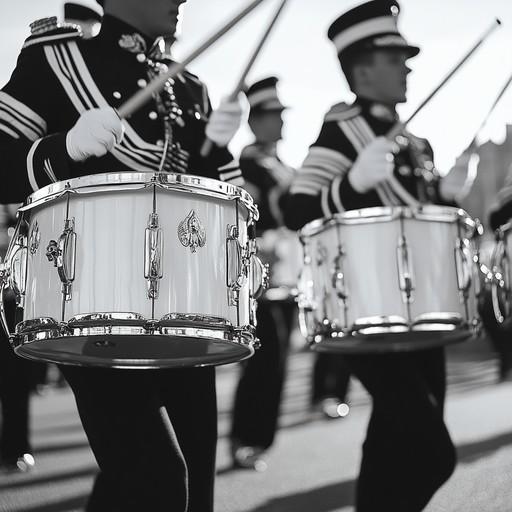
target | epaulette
[
  {"x": 49, "y": 30},
  {"x": 342, "y": 111}
]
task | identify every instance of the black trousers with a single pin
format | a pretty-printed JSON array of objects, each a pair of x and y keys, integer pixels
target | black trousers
[
  {"x": 331, "y": 377},
  {"x": 408, "y": 453},
  {"x": 18, "y": 377},
  {"x": 154, "y": 435},
  {"x": 258, "y": 394}
]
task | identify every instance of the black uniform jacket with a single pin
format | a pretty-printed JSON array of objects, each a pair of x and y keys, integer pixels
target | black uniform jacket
[
  {"x": 59, "y": 75},
  {"x": 321, "y": 187},
  {"x": 262, "y": 168}
]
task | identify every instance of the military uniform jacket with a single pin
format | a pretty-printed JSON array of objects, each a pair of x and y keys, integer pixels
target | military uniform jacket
[
  {"x": 321, "y": 187},
  {"x": 59, "y": 75},
  {"x": 262, "y": 168},
  {"x": 500, "y": 211}
]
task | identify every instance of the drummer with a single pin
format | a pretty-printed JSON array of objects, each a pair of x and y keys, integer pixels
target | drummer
[
  {"x": 153, "y": 432},
  {"x": 408, "y": 453}
]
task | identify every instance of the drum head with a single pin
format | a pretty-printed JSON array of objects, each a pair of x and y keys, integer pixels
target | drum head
[
  {"x": 386, "y": 343},
  {"x": 135, "y": 352}
]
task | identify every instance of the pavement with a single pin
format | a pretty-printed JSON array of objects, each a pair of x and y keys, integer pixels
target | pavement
[{"x": 313, "y": 465}]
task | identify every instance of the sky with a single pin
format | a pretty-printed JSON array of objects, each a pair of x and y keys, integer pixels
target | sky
[{"x": 299, "y": 53}]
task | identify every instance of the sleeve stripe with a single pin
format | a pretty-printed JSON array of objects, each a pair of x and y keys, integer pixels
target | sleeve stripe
[
  {"x": 321, "y": 156},
  {"x": 325, "y": 202},
  {"x": 15, "y": 111},
  {"x": 9, "y": 132},
  {"x": 335, "y": 194},
  {"x": 30, "y": 166}
]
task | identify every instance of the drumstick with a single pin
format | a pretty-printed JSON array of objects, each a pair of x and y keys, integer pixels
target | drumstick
[
  {"x": 240, "y": 86},
  {"x": 400, "y": 126},
  {"x": 143, "y": 95},
  {"x": 473, "y": 142}
]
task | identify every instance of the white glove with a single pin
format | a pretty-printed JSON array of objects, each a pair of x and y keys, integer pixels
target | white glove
[
  {"x": 95, "y": 133},
  {"x": 373, "y": 165},
  {"x": 452, "y": 184},
  {"x": 224, "y": 122}
]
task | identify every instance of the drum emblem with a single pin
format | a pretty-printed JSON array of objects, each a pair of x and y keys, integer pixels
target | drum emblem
[{"x": 191, "y": 232}]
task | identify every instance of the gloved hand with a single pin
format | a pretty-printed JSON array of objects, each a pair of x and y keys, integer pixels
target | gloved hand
[
  {"x": 224, "y": 122},
  {"x": 96, "y": 132},
  {"x": 373, "y": 165},
  {"x": 452, "y": 184}
]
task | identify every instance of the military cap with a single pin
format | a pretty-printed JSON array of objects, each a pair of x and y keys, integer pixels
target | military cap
[
  {"x": 80, "y": 12},
  {"x": 369, "y": 26},
  {"x": 262, "y": 95}
]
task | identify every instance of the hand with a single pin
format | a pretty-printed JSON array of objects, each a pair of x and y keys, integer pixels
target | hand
[
  {"x": 95, "y": 133},
  {"x": 373, "y": 165},
  {"x": 453, "y": 183},
  {"x": 224, "y": 122}
]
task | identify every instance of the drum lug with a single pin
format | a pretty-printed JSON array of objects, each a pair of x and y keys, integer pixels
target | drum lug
[
  {"x": 63, "y": 255},
  {"x": 238, "y": 264},
  {"x": 462, "y": 261},
  {"x": 3, "y": 285},
  {"x": 153, "y": 256},
  {"x": 405, "y": 271},
  {"x": 338, "y": 277}
]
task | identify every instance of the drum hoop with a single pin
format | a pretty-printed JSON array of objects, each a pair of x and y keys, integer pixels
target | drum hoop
[
  {"x": 428, "y": 212},
  {"x": 131, "y": 180}
]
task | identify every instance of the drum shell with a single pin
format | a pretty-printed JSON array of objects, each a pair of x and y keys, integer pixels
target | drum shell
[
  {"x": 109, "y": 276},
  {"x": 354, "y": 271}
]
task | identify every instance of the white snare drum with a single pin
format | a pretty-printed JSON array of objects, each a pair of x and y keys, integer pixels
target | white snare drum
[
  {"x": 135, "y": 270},
  {"x": 388, "y": 278},
  {"x": 281, "y": 250},
  {"x": 497, "y": 299}
]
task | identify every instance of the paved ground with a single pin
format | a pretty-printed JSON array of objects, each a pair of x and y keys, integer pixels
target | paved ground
[{"x": 313, "y": 464}]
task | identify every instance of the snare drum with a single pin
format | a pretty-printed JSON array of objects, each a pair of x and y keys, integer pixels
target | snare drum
[
  {"x": 135, "y": 270},
  {"x": 389, "y": 279},
  {"x": 497, "y": 303}
]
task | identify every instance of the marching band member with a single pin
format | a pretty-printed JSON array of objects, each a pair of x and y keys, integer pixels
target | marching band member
[
  {"x": 153, "y": 432},
  {"x": 18, "y": 377},
  {"x": 259, "y": 389},
  {"x": 499, "y": 214},
  {"x": 408, "y": 453}
]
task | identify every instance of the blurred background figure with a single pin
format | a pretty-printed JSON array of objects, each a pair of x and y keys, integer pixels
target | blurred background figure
[
  {"x": 88, "y": 19},
  {"x": 19, "y": 378},
  {"x": 330, "y": 385},
  {"x": 496, "y": 317},
  {"x": 267, "y": 178}
]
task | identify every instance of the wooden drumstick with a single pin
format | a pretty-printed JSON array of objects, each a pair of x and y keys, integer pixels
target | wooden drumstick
[
  {"x": 240, "y": 86},
  {"x": 400, "y": 126},
  {"x": 145, "y": 94}
]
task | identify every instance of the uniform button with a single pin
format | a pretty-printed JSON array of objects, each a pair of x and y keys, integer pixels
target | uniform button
[
  {"x": 141, "y": 82},
  {"x": 153, "y": 115},
  {"x": 117, "y": 95},
  {"x": 160, "y": 143},
  {"x": 141, "y": 57}
]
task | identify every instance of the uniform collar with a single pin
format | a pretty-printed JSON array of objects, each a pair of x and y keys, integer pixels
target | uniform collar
[
  {"x": 379, "y": 111},
  {"x": 123, "y": 35}
]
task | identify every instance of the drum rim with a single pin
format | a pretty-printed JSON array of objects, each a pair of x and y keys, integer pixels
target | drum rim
[
  {"x": 383, "y": 214},
  {"x": 183, "y": 182}
]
